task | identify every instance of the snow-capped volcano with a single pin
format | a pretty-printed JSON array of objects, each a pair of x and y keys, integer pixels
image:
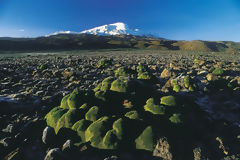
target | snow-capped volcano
[
  {"x": 112, "y": 29},
  {"x": 108, "y": 29}
]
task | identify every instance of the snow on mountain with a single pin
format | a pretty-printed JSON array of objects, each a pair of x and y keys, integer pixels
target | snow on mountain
[
  {"x": 59, "y": 32},
  {"x": 112, "y": 29},
  {"x": 109, "y": 29}
]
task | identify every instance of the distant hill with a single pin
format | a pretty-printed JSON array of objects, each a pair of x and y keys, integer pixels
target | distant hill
[{"x": 91, "y": 41}]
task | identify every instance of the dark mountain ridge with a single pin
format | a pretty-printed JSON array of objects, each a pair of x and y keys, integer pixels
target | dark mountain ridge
[{"x": 89, "y": 41}]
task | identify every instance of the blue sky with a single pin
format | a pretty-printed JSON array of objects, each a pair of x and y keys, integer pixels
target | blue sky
[{"x": 172, "y": 19}]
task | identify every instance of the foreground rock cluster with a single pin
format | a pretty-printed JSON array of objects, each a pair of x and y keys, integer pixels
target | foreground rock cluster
[{"x": 120, "y": 106}]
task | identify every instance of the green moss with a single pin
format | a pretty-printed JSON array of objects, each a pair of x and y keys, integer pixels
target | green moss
[
  {"x": 176, "y": 88},
  {"x": 141, "y": 68},
  {"x": 101, "y": 95},
  {"x": 92, "y": 114},
  {"x": 174, "y": 82},
  {"x": 110, "y": 140},
  {"x": 218, "y": 71},
  {"x": 80, "y": 127},
  {"x": 96, "y": 131},
  {"x": 168, "y": 101},
  {"x": 75, "y": 100},
  {"x": 132, "y": 115},
  {"x": 54, "y": 115},
  {"x": 176, "y": 118},
  {"x": 120, "y": 85},
  {"x": 122, "y": 71},
  {"x": 64, "y": 102},
  {"x": 146, "y": 140},
  {"x": 104, "y": 63},
  {"x": 104, "y": 85},
  {"x": 118, "y": 128},
  {"x": 84, "y": 106},
  {"x": 68, "y": 119},
  {"x": 153, "y": 108},
  {"x": 144, "y": 75},
  {"x": 186, "y": 81}
]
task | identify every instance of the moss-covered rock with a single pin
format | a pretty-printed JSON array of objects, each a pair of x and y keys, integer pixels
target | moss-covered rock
[
  {"x": 146, "y": 140},
  {"x": 122, "y": 71},
  {"x": 168, "y": 101},
  {"x": 110, "y": 140},
  {"x": 142, "y": 68},
  {"x": 80, "y": 127},
  {"x": 104, "y": 85},
  {"x": 54, "y": 115},
  {"x": 64, "y": 102},
  {"x": 186, "y": 81},
  {"x": 97, "y": 130},
  {"x": 92, "y": 114},
  {"x": 104, "y": 63},
  {"x": 68, "y": 119},
  {"x": 218, "y": 71},
  {"x": 120, "y": 85},
  {"x": 117, "y": 112},
  {"x": 102, "y": 95},
  {"x": 176, "y": 88},
  {"x": 132, "y": 115},
  {"x": 118, "y": 128},
  {"x": 145, "y": 75},
  {"x": 176, "y": 118},
  {"x": 75, "y": 100},
  {"x": 153, "y": 108}
]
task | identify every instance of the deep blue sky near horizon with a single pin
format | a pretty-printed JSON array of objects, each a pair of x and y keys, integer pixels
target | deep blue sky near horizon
[{"x": 172, "y": 19}]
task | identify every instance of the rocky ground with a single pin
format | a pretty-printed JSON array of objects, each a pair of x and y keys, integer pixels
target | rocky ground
[{"x": 30, "y": 86}]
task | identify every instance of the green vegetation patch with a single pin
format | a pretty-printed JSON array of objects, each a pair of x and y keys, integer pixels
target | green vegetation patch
[
  {"x": 92, "y": 114},
  {"x": 218, "y": 71},
  {"x": 54, "y": 115},
  {"x": 80, "y": 127},
  {"x": 176, "y": 118},
  {"x": 122, "y": 71},
  {"x": 68, "y": 119},
  {"x": 146, "y": 140},
  {"x": 97, "y": 130},
  {"x": 132, "y": 115},
  {"x": 104, "y": 63},
  {"x": 168, "y": 101},
  {"x": 153, "y": 108},
  {"x": 120, "y": 85}
]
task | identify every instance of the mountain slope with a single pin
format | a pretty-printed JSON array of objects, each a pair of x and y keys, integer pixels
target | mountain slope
[{"x": 91, "y": 41}]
